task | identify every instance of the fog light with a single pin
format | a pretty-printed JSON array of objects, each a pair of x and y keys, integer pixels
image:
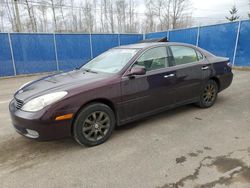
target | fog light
[{"x": 32, "y": 133}]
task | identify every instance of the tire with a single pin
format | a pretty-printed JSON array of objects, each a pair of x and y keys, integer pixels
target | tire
[
  {"x": 208, "y": 94},
  {"x": 94, "y": 124}
]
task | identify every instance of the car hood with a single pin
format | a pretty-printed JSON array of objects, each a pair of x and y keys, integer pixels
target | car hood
[{"x": 58, "y": 82}]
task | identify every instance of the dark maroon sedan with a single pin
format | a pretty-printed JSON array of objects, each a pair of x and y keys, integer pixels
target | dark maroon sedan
[{"x": 121, "y": 85}]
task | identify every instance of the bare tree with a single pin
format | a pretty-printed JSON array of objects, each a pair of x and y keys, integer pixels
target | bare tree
[
  {"x": 17, "y": 16},
  {"x": 150, "y": 16},
  {"x": 44, "y": 20},
  {"x": 95, "y": 14},
  {"x": 30, "y": 10},
  {"x": 120, "y": 8},
  {"x": 61, "y": 4},
  {"x": 131, "y": 17},
  {"x": 162, "y": 11},
  {"x": 11, "y": 16},
  {"x": 166, "y": 14},
  {"x": 2, "y": 14},
  {"x": 53, "y": 7},
  {"x": 111, "y": 16},
  {"x": 159, "y": 10},
  {"x": 178, "y": 8},
  {"x": 107, "y": 16},
  {"x": 73, "y": 16},
  {"x": 185, "y": 21},
  {"x": 88, "y": 20}
]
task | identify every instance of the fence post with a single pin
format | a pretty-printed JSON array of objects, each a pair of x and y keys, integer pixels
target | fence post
[
  {"x": 168, "y": 35},
  {"x": 119, "y": 40},
  {"x": 90, "y": 45},
  {"x": 144, "y": 36},
  {"x": 12, "y": 55},
  {"x": 236, "y": 42},
  {"x": 57, "y": 64},
  {"x": 198, "y": 36}
]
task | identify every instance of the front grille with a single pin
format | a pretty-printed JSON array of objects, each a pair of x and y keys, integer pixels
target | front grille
[{"x": 18, "y": 104}]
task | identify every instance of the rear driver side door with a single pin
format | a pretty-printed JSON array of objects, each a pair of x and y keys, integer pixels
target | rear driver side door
[{"x": 188, "y": 63}]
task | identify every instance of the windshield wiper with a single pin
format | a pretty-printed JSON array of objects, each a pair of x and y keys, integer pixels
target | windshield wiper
[{"x": 89, "y": 70}]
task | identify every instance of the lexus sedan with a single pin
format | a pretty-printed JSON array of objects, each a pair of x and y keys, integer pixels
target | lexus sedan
[{"x": 121, "y": 85}]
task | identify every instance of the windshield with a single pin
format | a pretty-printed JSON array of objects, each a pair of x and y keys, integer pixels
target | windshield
[{"x": 111, "y": 61}]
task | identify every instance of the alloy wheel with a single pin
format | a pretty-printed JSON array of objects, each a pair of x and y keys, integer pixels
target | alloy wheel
[
  {"x": 96, "y": 126},
  {"x": 209, "y": 94}
]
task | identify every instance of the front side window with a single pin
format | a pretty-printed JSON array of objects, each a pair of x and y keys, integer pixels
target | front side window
[
  {"x": 153, "y": 59},
  {"x": 183, "y": 55},
  {"x": 111, "y": 61}
]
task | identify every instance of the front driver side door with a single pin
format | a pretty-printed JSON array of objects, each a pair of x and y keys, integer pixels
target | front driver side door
[{"x": 145, "y": 94}]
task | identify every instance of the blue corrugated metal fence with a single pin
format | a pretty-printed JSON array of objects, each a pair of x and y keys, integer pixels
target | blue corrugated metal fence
[
  {"x": 22, "y": 53},
  {"x": 229, "y": 39}
]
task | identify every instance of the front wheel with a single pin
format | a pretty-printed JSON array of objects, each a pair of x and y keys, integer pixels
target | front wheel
[
  {"x": 208, "y": 94},
  {"x": 94, "y": 124}
]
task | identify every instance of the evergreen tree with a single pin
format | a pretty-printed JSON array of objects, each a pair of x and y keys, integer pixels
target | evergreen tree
[
  {"x": 233, "y": 14},
  {"x": 249, "y": 12}
]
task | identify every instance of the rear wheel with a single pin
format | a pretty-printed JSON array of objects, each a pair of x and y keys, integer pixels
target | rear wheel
[
  {"x": 94, "y": 124},
  {"x": 208, "y": 94}
]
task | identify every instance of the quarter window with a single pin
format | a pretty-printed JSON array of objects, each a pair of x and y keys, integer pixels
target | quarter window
[
  {"x": 183, "y": 55},
  {"x": 153, "y": 59},
  {"x": 199, "y": 55}
]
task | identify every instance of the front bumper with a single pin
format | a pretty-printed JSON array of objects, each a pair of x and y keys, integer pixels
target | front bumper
[{"x": 39, "y": 125}]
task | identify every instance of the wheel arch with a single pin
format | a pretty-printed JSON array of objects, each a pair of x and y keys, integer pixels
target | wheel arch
[
  {"x": 217, "y": 81},
  {"x": 107, "y": 102}
]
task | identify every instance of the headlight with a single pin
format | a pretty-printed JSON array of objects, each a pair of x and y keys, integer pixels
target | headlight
[{"x": 39, "y": 103}]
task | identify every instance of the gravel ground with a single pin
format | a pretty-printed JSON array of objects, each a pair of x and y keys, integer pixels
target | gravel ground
[{"x": 183, "y": 147}]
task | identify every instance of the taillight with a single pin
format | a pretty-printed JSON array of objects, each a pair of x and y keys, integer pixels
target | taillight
[{"x": 228, "y": 64}]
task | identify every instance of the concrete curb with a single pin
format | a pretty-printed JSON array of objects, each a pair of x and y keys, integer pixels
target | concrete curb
[
  {"x": 242, "y": 68},
  {"x": 28, "y": 75}
]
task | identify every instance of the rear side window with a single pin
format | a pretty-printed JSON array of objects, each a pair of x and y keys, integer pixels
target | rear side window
[
  {"x": 183, "y": 55},
  {"x": 153, "y": 59}
]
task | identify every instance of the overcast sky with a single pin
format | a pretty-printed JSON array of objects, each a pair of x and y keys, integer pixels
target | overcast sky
[
  {"x": 207, "y": 12},
  {"x": 218, "y": 9}
]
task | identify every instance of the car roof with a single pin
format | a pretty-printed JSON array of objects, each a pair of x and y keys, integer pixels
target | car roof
[
  {"x": 151, "y": 44},
  {"x": 147, "y": 45}
]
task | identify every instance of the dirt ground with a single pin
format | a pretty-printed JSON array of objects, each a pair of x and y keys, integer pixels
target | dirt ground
[{"x": 183, "y": 147}]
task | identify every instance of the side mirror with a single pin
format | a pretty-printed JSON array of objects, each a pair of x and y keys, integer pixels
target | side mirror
[{"x": 137, "y": 70}]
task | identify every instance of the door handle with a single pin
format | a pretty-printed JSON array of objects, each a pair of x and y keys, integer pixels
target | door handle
[
  {"x": 169, "y": 75},
  {"x": 205, "y": 68}
]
